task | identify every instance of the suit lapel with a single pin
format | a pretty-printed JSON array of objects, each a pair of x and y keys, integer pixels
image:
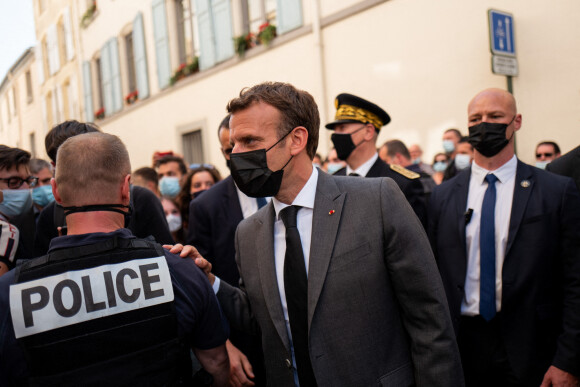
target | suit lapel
[
  {"x": 523, "y": 187},
  {"x": 267, "y": 268},
  {"x": 328, "y": 206},
  {"x": 460, "y": 199}
]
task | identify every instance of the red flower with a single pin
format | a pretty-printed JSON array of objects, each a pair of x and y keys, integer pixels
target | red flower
[{"x": 263, "y": 26}]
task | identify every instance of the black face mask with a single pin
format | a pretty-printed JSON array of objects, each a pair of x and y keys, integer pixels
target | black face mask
[
  {"x": 229, "y": 164},
  {"x": 489, "y": 138},
  {"x": 251, "y": 173},
  {"x": 343, "y": 143},
  {"x": 102, "y": 207}
]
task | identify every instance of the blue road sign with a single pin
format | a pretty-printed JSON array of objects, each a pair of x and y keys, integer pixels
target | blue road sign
[{"x": 501, "y": 33}]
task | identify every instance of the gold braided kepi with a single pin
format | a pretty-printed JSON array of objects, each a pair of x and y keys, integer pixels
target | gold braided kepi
[{"x": 350, "y": 108}]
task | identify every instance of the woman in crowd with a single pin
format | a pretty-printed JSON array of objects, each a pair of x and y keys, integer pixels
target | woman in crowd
[
  {"x": 440, "y": 162},
  {"x": 195, "y": 183}
]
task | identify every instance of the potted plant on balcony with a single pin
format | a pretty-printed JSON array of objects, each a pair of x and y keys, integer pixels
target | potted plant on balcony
[
  {"x": 100, "y": 114},
  {"x": 266, "y": 33},
  {"x": 132, "y": 97},
  {"x": 243, "y": 43}
]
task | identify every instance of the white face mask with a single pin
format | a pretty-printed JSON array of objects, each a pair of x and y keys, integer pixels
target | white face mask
[
  {"x": 174, "y": 222},
  {"x": 542, "y": 164},
  {"x": 448, "y": 146},
  {"x": 462, "y": 161}
]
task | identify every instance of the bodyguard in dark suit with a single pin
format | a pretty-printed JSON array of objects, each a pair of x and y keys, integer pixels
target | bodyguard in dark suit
[
  {"x": 507, "y": 242},
  {"x": 356, "y": 127},
  {"x": 337, "y": 302},
  {"x": 567, "y": 165}
]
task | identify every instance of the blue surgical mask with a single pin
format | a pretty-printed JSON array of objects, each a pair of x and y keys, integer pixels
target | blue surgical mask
[
  {"x": 542, "y": 164},
  {"x": 42, "y": 195},
  {"x": 331, "y": 168},
  {"x": 417, "y": 161},
  {"x": 169, "y": 186},
  {"x": 16, "y": 202},
  {"x": 448, "y": 146},
  {"x": 440, "y": 166},
  {"x": 462, "y": 161},
  {"x": 316, "y": 165}
]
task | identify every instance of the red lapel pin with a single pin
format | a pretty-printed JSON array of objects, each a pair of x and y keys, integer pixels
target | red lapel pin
[{"x": 330, "y": 212}]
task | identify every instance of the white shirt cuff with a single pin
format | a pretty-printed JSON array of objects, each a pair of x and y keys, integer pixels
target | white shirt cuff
[{"x": 216, "y": 285}]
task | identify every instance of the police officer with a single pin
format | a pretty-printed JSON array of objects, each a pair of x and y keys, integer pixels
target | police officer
[
  {"x": 104, "y": 306},
  {"x": 356, "y": 127}
]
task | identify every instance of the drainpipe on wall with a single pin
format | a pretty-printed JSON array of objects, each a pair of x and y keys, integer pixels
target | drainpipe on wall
[{"x": 324, "y": 142}]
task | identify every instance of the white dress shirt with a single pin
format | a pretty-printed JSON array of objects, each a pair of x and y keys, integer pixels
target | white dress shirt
[
  {"x": 364, "y": 168},
  {"x": 248, "y": 204},
  {"x": 304, "y": 199},
  {"x": 503, "y": 206}
]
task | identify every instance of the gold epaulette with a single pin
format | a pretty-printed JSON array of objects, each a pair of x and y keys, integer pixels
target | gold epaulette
[{"x": 405, "y": 172}]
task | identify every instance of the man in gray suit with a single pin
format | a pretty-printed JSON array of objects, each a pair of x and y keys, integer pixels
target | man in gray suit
[{"x": 336, "y": 273}]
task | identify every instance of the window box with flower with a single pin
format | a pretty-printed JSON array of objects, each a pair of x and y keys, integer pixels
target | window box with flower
[
  {"x": 100, "y": 114},
  {"x": 185, "y": 70},
  {"x": 266, "y": 33},
  {"x": 132, "y": 97},
  {"x": 89, "y": 15}
]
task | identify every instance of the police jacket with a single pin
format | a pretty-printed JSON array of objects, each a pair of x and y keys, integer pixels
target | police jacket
[{"x": 105, "y": 308}]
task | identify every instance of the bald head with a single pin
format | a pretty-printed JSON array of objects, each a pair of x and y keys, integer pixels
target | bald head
[
  {"x": 497, "y": 96},
  {"x": 91, "y": 169}
]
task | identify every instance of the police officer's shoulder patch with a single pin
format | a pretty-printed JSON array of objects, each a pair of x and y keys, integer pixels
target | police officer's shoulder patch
[{"x": 405, "y": 172}]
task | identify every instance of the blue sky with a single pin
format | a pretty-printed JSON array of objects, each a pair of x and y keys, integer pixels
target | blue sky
[{"x": 16, "y": 31}]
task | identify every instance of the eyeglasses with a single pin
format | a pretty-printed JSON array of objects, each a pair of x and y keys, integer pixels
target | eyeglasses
[
  {"x": 15, "y": 182},
  {"x": 538, "y": 155}
]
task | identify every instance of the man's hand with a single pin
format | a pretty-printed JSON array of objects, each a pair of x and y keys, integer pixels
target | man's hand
[
  {"x": 558, "y": 378},
  {"x": 240, "y": 367},
  {"x": 189, "y": 251}
]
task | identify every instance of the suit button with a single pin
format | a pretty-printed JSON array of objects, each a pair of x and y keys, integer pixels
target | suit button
[{"x": 288, "y": 363}]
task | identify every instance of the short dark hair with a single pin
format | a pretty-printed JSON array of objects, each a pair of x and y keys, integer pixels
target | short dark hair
[
  {"x": 13, "y": 157},
  {"x": 147, "y": 174},
  {"x": 296, "y": 107},
  {"x": 224, "y": 124},
  {"x": 169, "y": 159},
  {"x": 397, "y": 146},
  {"x": 556, "y": 147},
  {"x": 63, "y": 131},
  {"x": 463, "y": 140},
  {"x": 456, "y": 131}
]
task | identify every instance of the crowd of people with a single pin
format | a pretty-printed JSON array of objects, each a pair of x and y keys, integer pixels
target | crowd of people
[{"x": 295, "y": 269}]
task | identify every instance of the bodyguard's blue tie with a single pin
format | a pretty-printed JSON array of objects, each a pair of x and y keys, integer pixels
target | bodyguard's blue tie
[
  {"x": 487, "y": 251},
  {"x": 261, "y": 202}
]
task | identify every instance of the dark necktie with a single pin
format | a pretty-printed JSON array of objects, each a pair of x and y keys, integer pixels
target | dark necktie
[
  {"x": 487, "y": 251},
  {"x": 353, "y": 174},
  {"x": 261, "y": 202},
  {"x": 296, "y": 289}
]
